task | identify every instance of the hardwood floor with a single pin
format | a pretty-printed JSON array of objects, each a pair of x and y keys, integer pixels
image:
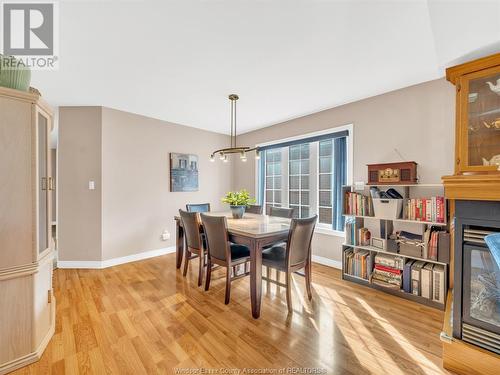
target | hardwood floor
[{"x": 144, "y": 317}]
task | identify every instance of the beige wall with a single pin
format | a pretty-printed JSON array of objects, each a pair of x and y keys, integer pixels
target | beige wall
[
  {"x": 132, "y": 204},
  {"x": 79, "y": 153},
  {"x": 136, "y": 203},
  {"x": 417, "y": 120}
]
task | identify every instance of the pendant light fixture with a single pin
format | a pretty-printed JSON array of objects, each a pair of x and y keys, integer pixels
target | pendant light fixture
[{"x": 234, "y": 149}]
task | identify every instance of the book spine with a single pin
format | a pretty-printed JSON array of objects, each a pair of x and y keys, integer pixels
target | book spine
[
  {"x": 428, "y": 210},
  {"x": 440, "y": 209}
]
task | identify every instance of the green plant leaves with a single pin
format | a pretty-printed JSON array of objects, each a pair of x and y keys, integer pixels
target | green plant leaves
[{"x": 238, "y": 198}]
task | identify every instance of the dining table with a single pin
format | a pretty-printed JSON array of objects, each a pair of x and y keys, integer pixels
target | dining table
[{"x": 254, "y": 231}]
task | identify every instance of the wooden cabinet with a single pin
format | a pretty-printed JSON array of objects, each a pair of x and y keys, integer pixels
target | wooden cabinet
[
  {"x": 477, "y": 134},
  {"x": 478, "y": 115},
  {"x": 27, "y": 304}
]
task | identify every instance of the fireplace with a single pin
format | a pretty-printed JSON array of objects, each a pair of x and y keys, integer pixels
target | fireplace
[{"x": 476, "y": 312}]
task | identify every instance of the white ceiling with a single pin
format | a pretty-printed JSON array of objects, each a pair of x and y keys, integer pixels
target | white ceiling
[{"x": 178, "y": 60}]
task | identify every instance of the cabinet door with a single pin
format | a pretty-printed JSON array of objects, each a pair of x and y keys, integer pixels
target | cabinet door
[
  {"x": 480, "y": 121},
  {"x": 44, "y": 183},
  {"x": 43, "y": 301}
]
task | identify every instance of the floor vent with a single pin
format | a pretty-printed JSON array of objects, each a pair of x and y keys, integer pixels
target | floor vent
[{"x": 480, "y": 337}]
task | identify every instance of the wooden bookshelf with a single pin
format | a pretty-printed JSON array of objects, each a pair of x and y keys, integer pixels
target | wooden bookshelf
[{"x": 396, "y": 292}]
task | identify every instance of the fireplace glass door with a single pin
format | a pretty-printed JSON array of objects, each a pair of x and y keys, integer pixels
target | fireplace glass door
[{"x": 481, "y": 298}]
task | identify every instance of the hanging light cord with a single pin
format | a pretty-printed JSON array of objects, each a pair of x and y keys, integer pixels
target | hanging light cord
[{"x": 235, "y": 123}]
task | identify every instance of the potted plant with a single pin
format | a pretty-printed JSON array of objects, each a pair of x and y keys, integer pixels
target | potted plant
[
  {"x": 14, "y": 74},
  {"x": 238, "y": 201}
]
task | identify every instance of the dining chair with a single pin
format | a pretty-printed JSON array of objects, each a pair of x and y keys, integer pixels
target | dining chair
[
  {"x": 194, "y": 243},
  {"x": 221, "y": 252},
  {"x": 198, "y": 207},
  {"x": 294, "y": 256},
  {"x": 254, "y": 209},
  {"x": 281, "y": 212}
]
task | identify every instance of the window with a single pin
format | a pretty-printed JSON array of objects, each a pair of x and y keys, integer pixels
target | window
[
  {"x": 306, "y": 175},
  {"x": 273, "y": 177}
]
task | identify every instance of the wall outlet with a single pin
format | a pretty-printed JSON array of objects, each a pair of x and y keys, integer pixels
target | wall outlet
[{"x": 165, "y": 236}]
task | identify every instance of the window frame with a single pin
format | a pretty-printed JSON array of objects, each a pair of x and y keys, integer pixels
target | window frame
[
  {"x": 318, "y": 190},
  {"x": 320, "y": 227}
]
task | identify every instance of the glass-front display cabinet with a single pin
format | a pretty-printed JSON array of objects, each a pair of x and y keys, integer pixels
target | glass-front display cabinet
[{"x": 478, "y": 116}]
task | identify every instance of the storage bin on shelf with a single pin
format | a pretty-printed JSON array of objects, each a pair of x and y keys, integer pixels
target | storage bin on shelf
[{"x": 389, "y": 209}]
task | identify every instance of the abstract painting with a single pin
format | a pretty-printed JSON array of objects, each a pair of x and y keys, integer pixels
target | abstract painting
[{"x": 183, "y": 172}]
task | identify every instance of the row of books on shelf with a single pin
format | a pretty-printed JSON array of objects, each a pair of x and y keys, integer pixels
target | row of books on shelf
[
  {"x": 417, "y": 209},
  {"x": 358, "y": 204},
  {"x": 425, "y": 209},
  {"x": 422, "y": 279},
  {"x": 358, "y": 263}
]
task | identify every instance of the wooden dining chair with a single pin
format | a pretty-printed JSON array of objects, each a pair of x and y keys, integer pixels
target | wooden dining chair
[
  {"x": 198, "y": 207},
  {"x": 296, "y": 255},
  {"x": 254, "y": 209},
  {"x": 281, "y": 212},
  {"x": 194, "y": 243},
  {"x": 221, "y": 252}
]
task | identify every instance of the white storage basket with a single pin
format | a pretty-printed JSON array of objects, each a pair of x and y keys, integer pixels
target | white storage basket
[{"x": 387, "y": 208}]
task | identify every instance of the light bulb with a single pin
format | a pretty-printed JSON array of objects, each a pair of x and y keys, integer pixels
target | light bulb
[
  {"x": 222, "y": 156},
  {"x": 225, "y": 160},
  {"x": 257, "y": 155},
  {"x": 212, "y": 159},
  {"x": 243, "y": 156}
]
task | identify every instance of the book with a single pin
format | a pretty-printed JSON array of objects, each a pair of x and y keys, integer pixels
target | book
[
  {"x": 426, "y": 280},
  {"x": 438, "y": 281},
  {"x": 389, "y": 260},
  {"x": 444, "y": 247},
  {"x": 381, "y": 267},
  {"x": 407, "y": 276},
  {"x": 385, "y": 285},
  {"x": 415, "y": 277}
]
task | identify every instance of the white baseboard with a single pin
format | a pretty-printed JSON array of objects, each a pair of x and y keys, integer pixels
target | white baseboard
[
  {"x": 98, "y": 264},
  {"x": 327, "y": 261}
]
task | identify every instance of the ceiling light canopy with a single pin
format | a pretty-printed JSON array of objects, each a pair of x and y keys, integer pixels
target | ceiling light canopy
[{"x": 234, "y": 149}]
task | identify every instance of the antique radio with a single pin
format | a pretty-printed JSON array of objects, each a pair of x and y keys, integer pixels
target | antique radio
[{"x": 403, "y": 173}]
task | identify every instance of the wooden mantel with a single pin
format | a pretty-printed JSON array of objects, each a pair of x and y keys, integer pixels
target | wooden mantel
[{"x": 485, "y": 187}]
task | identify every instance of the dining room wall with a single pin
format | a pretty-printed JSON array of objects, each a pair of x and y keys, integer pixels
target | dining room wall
[
  {"x": 79, "y": 160},
  {"x": 137, "y": 205},
  {"x": 413, "y": 123},
  {"x": 127, "y": 156}
]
